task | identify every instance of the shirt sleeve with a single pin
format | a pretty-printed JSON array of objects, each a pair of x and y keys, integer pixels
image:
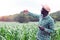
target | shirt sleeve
[
  {"x": 34, "y": 15},
  {"x": 51, "y": 25}
]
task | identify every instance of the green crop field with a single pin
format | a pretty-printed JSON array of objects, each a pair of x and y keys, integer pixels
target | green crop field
[{"x": 23, "y": 31}]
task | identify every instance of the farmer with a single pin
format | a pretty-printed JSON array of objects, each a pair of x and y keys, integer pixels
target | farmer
[{"x": 46, "y": 24}]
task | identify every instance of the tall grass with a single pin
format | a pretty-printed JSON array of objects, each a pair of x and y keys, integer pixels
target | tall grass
[{"x": 21, "y": 31}]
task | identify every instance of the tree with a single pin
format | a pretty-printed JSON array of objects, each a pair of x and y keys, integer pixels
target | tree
[
  {"x": 22, "y": 17},
  {"x": 56, "y": 15}
]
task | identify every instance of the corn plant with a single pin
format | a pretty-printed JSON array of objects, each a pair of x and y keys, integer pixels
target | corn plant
[{"x": 22, "y": 31}]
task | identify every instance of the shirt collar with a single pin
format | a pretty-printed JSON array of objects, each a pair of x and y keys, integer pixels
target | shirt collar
[{"x": 45, "y": 16}]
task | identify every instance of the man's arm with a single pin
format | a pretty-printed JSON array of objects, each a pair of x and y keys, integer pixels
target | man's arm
[{"x": 34, "y": 15}]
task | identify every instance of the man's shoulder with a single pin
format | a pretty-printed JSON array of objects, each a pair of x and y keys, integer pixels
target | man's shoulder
[{"x": 50, "y": 18}]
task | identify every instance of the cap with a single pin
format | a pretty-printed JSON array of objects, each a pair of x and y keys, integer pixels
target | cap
[{"x": 46, "y": 7}]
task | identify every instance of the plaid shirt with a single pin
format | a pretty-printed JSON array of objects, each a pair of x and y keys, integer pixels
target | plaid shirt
[{"x": 46, "y": 22}]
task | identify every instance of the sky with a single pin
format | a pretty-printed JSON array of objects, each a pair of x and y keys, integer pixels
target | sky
[{"x": 10, "y": 7}]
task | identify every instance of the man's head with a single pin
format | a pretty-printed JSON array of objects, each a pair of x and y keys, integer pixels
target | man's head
[{"x": 45, "y": 10}]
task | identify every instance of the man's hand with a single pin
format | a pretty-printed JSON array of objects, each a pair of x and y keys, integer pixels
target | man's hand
[
  {"x": 25, "y": 11},
  {"x": 41, "y": 28},
  {"x": 47, "y": 33}
]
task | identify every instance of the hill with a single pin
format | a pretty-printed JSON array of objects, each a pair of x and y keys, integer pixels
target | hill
[{"x": 56, "y": 15}]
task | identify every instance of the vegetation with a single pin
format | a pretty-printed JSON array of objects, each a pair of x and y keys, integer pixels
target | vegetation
[
  {"x": 20, "y": 17},
  {"x": 56, "y": 15},
  {"x": 23, "y": 31},
  {"x": 24, "y": 17},
  {"x": 18, "y": 31}
]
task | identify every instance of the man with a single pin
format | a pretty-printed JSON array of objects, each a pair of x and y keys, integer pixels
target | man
[{"x": 46, "y": 24}]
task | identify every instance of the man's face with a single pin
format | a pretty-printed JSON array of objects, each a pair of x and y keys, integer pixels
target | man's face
[{"x": 44, "y": 12}]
